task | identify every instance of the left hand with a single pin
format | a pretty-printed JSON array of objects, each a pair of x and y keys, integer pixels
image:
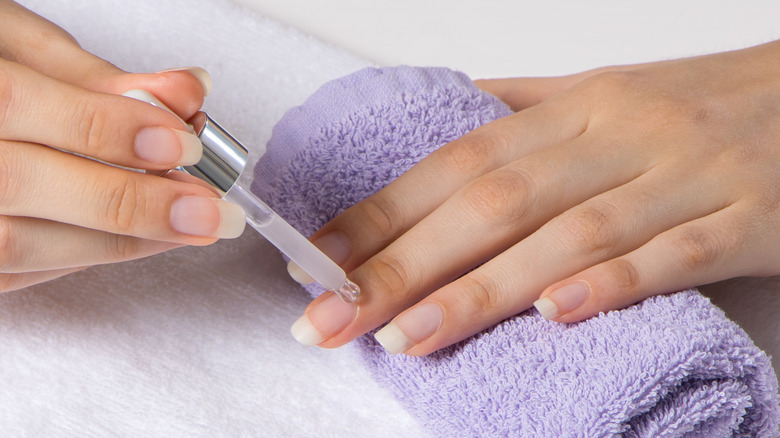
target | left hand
[{"x": 607, "y": 187}]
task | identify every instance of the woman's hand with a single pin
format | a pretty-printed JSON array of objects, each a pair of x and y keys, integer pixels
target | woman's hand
[
  {"x": 60, "y": 209},
  {"x": 605, "y": 188}
]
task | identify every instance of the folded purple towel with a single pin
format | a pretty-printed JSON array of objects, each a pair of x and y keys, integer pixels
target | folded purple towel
[{"x": 673, "y": 365}]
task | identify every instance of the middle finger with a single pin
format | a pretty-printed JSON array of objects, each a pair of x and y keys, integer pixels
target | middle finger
[
  {"x": 372, "y": 224},
  {"x": 37, "y": 181}
]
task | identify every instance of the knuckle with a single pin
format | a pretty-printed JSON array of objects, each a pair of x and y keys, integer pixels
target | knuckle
[
  {"x": 485, "y": 295},
  {"x": 124, "y": 206},
  {"x": 591, "y": 229},
  {"x": 7, "y": 175},
  {"x": 389, "y": 275},
  {"x": 501, "y": 197},
  {"x": 382, "y": 214},
  {"x": 472, "y": 153},
  {"x": 90, "y": 128},
  {"x": 624, "y": 277},
  {"x": 7, "y": 246},
  {"x": 699, "y": 249},
  {"x": 704, "y": 117},
  {"x": 702, "y": 112},
  {"x": 121, "y": 248},
  {"x": 6, "y": 93}
]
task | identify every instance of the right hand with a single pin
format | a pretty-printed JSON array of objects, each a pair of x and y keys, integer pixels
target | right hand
[{"x": 60, "y": 209}]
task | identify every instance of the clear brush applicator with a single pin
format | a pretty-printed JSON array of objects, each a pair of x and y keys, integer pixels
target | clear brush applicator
[{"x": 224, "y": 158}]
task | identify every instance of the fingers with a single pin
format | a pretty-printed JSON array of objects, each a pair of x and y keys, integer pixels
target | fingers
[
  {"x": 180, "y": 89},
  {"x": 604, "y": 227},
  {"x": 65, "y": 211},
  {"x": 40, "y": 182},
  {"x": 366, "y": 228},
  {"x": 702, "y": 251},
  {"x": 476, "y": 223},
  {"x": 31, "y": 40},
  {"x": 110, "y": 128},
  {"x": 28, "y": 244},
  {"x": 10, "y": 282}
]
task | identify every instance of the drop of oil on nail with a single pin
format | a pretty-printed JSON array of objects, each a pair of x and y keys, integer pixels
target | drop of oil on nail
[{"x": 348, "y": 292}]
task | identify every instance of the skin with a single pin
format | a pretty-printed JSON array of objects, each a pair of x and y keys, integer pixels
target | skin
[
  {"x": 60, "y": 212},
  {"x": 632, "y": 181}
]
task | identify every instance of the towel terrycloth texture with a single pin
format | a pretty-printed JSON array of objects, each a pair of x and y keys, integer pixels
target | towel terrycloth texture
[{"x": 673, "y": 365}]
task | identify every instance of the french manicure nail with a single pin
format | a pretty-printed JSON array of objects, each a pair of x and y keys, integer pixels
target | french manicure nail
[
  {"x": 305, "y": 333},
  {"x": 335, "y": 245},
  {"x": 410, "y": 328},
  {"x": 208, "y": 217},
  {"x": 563, "y": 300},
  {"x": 200, "y": 74},
  {"x": 323, "y": 321},
  {"x": 298, "y": 274},
  {"x": 161, "y": 145}
]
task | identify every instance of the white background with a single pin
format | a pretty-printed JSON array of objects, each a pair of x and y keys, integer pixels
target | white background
[{"x": 502, "y": 38}]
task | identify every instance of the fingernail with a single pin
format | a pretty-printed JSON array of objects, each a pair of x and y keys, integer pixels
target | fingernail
[
  {"x": 563, "y": 300},
  {"x": 200, "y": 74},
  {"x": 410, "y": 328},
  {"x": 298, "y": 274},
  {"x": 161, "y": 145},
  {"x": 335, "y": 245},
  {"x": 208, "y": 217},
  {"x": 323, "y": 321}
]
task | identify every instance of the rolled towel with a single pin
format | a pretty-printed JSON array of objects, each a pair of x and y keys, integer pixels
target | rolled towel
[{"x": 672, "y": 365}]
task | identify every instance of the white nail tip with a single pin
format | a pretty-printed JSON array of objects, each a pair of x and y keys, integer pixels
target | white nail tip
[
  {"x": 305, "y": 333},
  {"x": 393, "y": 339},
  {"x": 298, "y": 274},
  {"x": 232, "y": 220},
  {"x": 546, "y": 308}
]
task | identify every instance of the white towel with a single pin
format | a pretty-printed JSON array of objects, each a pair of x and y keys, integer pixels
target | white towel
[{"x": 194, "y": 342}]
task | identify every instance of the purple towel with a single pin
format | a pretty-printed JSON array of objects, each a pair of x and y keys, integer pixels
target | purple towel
[{"x": 673, "y": 365}]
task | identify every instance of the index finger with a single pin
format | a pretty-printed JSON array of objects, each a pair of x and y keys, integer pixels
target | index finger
[
  {"x": 366, "y": 228},
  {"x": 38, "y": 109}
]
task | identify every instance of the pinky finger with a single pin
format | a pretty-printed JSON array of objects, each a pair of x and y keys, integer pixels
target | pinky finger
[
  {"x": 702, "y": 251},
  {"x": 10, "y": 282}
]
